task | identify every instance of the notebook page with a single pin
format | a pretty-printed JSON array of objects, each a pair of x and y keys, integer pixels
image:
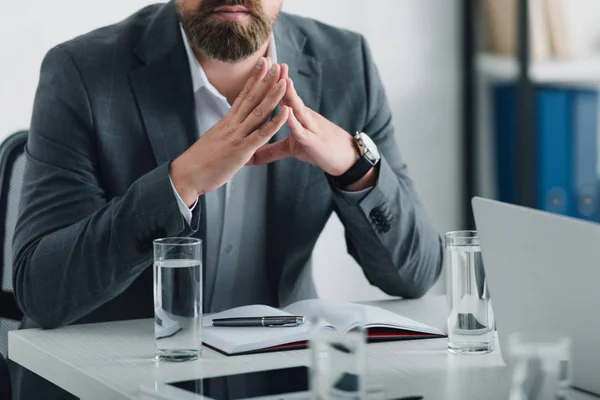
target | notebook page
[
  {"x": 379, "y": 318},
  {"x": 375, "y": 317},
  {"x": 330, "y": 310}
]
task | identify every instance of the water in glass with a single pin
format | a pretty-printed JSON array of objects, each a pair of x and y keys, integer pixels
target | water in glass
[
  {"x": 470, "y": 321},
  {"x": 178, "y": 309}
]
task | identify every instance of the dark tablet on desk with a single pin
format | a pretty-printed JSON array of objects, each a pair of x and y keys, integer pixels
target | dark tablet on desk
[{"x": 250, "y": 385}]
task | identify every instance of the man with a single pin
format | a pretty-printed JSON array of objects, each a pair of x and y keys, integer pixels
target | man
[{"x": 221, "y": 119}]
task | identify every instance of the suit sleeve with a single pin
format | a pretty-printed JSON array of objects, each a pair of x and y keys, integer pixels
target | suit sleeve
[
  {"x": 388, "y": 231},
  {"x": 75, "y": 249}
]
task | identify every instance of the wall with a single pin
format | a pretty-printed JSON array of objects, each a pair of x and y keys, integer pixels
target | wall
[
  {"x": 414, "y": 42},
  {"x": 28, "y": 29}
]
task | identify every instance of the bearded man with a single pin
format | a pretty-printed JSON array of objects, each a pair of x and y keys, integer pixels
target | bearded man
[{"x": 226, "y": 120}]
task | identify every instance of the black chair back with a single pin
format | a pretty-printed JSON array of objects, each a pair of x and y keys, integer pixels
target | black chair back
[
  {"x": 12, "y": 166},
  {"x": 5, "y": 385}
]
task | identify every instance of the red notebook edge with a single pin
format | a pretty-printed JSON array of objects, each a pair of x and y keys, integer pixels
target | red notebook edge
[{"x": 373, "y": 336}]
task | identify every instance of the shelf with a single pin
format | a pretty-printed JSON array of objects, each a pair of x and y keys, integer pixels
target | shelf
[{"x": 585, "y": 71}]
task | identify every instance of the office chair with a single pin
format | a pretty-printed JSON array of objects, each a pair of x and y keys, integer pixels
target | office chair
[{"x": 12, "y": 165}]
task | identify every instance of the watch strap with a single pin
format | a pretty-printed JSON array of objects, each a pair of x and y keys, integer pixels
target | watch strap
[{"x": 355, "y": 173}]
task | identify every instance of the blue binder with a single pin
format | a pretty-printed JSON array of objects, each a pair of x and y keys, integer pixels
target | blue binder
[
  {"x": 585, "y": 155},
  {"x": 504, "y": 122},
  {"x": 554, "y": 150}
]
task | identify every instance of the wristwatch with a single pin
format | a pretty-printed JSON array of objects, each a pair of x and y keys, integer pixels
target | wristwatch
[{"x": 369, "y": 157}]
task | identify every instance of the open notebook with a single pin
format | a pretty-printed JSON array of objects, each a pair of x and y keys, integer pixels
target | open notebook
[{"x": 381, "y": 325}]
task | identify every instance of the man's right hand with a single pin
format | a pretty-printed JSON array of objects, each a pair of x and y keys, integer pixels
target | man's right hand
[{"x": 231, "y": 143}]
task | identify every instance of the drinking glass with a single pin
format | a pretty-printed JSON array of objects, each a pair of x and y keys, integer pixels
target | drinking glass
[
  {"x": 471, "y": 318},
  {"x": 338, "y": 357},
  {"x": 178, "y": 298},
  {"x": 542, "y": 366}
]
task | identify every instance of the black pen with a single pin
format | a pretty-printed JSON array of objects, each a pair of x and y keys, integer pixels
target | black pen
[
  {"x": 410, "y": 398},
  {"x": 260, "y": 321}
]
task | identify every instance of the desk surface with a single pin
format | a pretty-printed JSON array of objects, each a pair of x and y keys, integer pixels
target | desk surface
[{"x": 112, "y": 360}]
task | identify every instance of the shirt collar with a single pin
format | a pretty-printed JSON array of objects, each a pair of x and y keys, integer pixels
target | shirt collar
[{"x": 199, "y": 78}]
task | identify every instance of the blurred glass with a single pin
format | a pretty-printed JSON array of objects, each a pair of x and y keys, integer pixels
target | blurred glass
[
  {"x": 338, "y": 359},
  {"x": 542, "y": 366},
  {"x": 470, "y": 319}
]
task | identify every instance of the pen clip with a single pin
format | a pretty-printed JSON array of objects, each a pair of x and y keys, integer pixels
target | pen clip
[
  {"x": 283, "y": 321},
  {"x": 269, "y": 325}
]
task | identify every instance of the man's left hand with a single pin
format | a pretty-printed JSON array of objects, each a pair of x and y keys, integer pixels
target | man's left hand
[{"x": 316, "y": 140}]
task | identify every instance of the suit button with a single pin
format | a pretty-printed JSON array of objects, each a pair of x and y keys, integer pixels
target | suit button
[
  {"x": 375, "y": 212},
  {"x": 381, "y": 218}
]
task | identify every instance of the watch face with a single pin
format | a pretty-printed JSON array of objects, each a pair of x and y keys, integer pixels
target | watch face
[{"x": 372, "y": 152}]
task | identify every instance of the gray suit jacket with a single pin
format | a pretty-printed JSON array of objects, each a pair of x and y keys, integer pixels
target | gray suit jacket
[{"x": 115, "y": 106}]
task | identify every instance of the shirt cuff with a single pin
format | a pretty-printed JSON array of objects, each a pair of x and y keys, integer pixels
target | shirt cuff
[
  {"x": 354, "y": 197},
  {"x": 185, "y": 211}
]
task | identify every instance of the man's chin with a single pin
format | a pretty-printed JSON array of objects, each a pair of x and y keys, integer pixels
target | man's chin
[{"x": 228, "y": 50}]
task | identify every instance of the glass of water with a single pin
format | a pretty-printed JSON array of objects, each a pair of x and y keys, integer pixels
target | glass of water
[
  {"x": 338, "y": 356},
  {"x": 542, "y": 366},
  {"x": 471, "y": 319},
  {"x": 178, "y": 298}
]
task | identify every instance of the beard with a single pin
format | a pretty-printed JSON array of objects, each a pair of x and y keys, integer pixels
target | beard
[{"x": 226, "y": 41}]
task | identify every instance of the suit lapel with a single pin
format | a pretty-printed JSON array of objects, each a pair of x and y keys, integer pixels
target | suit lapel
[
  {"x": 289, "y": 178},
  {"x": 163, "y": 87}
]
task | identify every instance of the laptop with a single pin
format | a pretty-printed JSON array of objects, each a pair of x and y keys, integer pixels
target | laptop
[{"x": 543, "y": 273}]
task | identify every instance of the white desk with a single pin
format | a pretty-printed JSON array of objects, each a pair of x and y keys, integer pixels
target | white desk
[{"x": 112, "y": 360}]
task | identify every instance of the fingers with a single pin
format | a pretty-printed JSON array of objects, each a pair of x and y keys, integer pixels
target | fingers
[
  {"x": 260, "y": 70},
  {"x": 284, "y": 75},
  {"x": 301, "y": 112},
  {"x": 264, "y": 133},
  {"x": 300, "y": 133},
  {"x": 284, "y": 71},
  {"x": 272, "y": 152},
  {"x": 257, "y": 94},
  {"x": 289, "y": 98},
  {"x": 260, "y": 114}
]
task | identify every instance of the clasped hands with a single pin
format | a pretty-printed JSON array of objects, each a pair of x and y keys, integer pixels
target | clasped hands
[{"x": 240, "y": 138}]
